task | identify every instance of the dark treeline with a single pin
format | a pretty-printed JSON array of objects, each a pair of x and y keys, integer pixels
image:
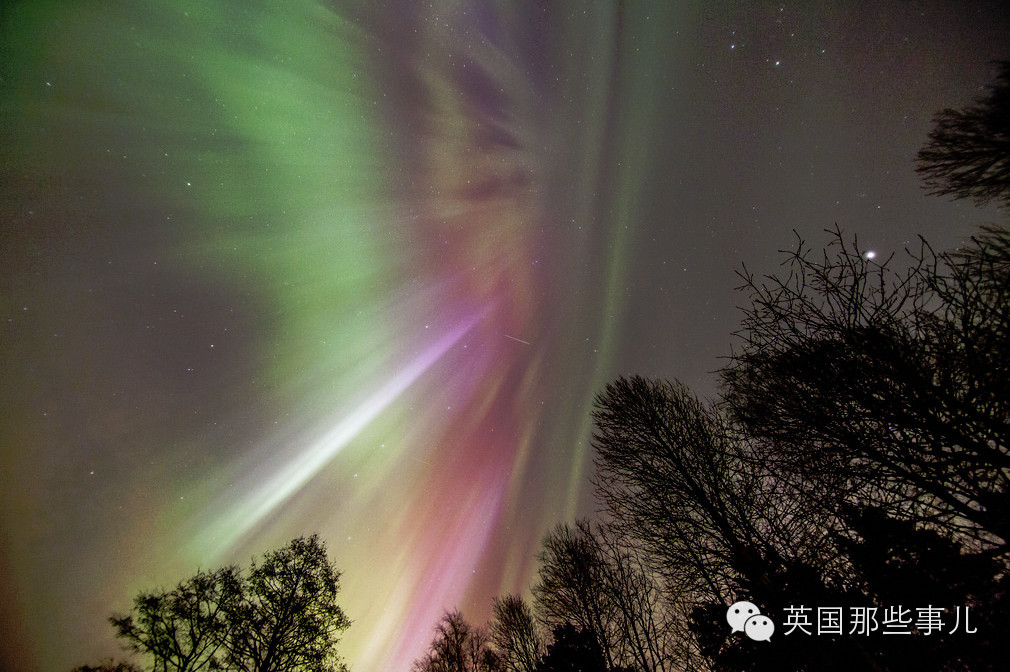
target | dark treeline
[{"x": 855, "y": 460}]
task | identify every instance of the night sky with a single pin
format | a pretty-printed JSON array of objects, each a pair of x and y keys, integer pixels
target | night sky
[{"x": 273, "y": 268}]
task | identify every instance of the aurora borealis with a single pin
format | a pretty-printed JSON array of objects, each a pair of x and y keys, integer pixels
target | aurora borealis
[{"x": 360, "y": 268}]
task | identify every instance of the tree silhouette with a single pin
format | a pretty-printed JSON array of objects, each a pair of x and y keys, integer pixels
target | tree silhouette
[
  {"x": 648, "y": 631},
  {"x": 862, "y": 438},
  {"x": 287, "y": 617},
  {"x": 458, "y": 647},
  {"x": 665, "y": 472},
  {"x": 968, "y": 153},
  {"x": 180, "y": 630},
  {"x": 514, "y": 634},
  {"x": 897, "y": 563},
  {"x": 571, "y": 587},
  {"x": 888, "y": 389},
  {"x": 279, "y": 617},
  {"x": 681, "y": 479},
  {"x": 573, "y": 650},
  {"x": 678, "y": 476}
]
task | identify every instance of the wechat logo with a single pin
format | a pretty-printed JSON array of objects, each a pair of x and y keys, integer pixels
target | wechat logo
[{"x": 745, "y": 617}]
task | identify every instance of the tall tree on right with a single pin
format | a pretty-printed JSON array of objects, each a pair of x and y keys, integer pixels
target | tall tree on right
[
  {"x": 886, "y": 389},
  {"x": 968, "y": 153}
]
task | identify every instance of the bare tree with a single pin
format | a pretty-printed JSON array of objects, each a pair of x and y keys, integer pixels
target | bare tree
[
  {"x": 480, "y": 653},
  {"x": 570, "y": 587},
  {"x": 672, "y": 474},
  {"x": 968, "y": 152},
  {"x": 287, "y": 618},
  {"x": 649, "y": 631},
  {"x": 515, "y": 634},
  {"x": 862, "y": 437},
  {"x": 458, "y": 647},
  {"x": 888, "y": 389},
  {"x": 701, "y": 521},
  {"x": 181, "y": 630}
]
